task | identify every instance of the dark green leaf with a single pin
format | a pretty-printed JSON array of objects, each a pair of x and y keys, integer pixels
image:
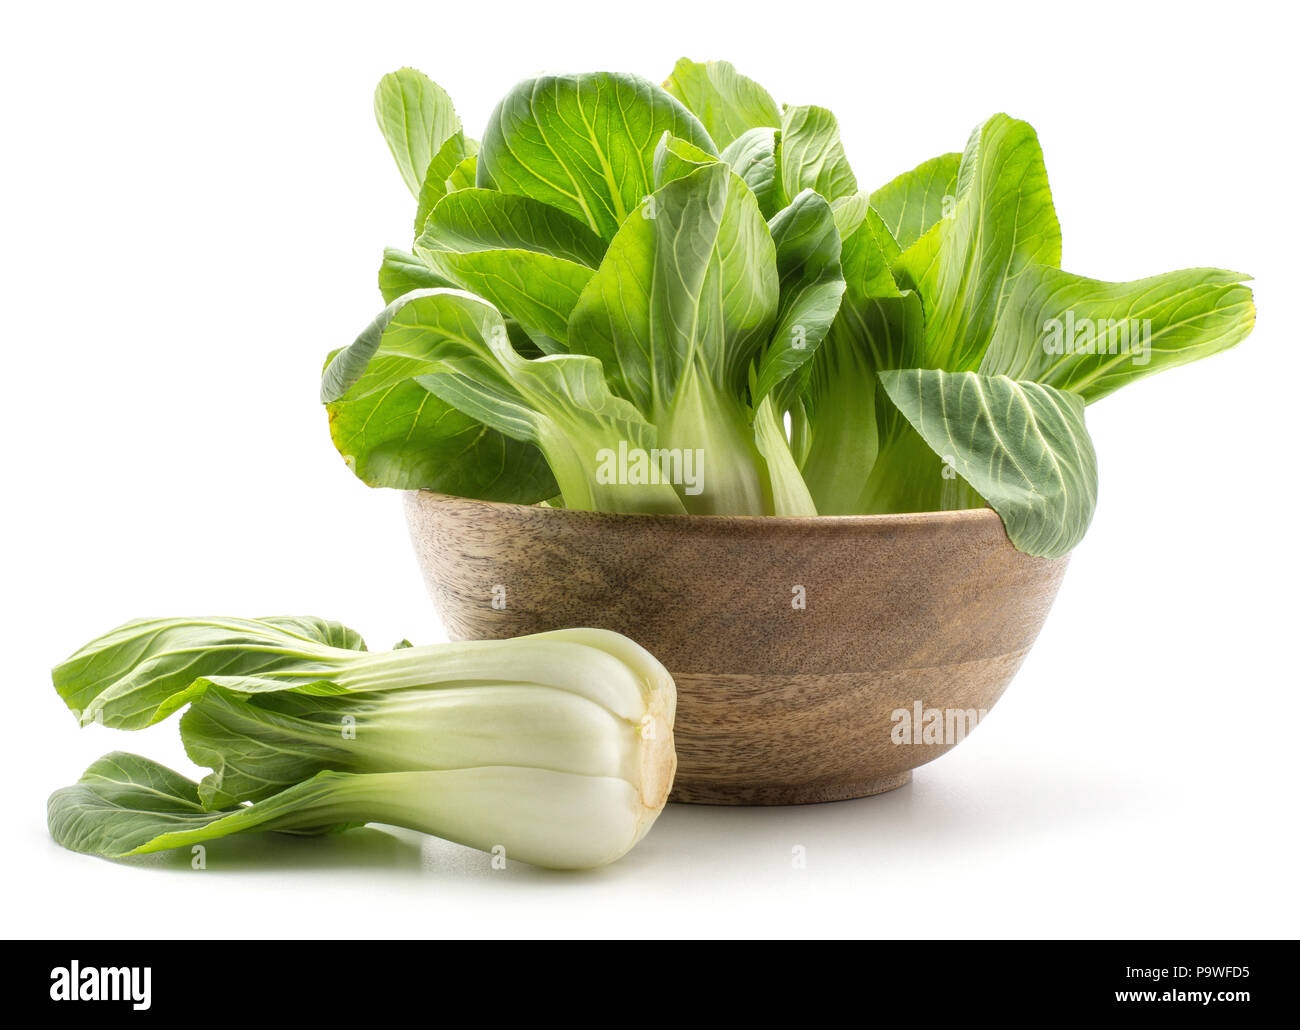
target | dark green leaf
[
  {"x": 394, "y": 432},
  {"x": 128, "y": 805},
  {"x": 1021, "y": 446}
]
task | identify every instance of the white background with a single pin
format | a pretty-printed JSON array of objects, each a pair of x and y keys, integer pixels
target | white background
[{"x": 194, "y": 206}]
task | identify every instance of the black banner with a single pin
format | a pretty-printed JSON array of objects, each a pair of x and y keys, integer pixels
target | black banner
[{"x": 168, "y": 979}]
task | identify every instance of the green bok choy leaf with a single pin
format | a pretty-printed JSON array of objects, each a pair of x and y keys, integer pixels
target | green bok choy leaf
[{"x": 741, "y": 300}]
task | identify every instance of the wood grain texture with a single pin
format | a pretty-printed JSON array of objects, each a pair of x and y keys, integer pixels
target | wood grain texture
[{"x": 777, "y": 704}]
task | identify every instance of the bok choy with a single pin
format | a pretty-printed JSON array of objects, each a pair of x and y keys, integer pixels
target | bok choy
[
  {"x": 680, "y": 299},
  {"x": 557, "y": 747}
]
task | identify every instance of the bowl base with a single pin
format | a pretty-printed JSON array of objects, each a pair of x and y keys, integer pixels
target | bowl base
[{"x": 727, "y": 794}]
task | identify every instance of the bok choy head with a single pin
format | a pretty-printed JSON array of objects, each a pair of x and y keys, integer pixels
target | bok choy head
[
  {"x": 640, "y": 298},
  {"x": 557, "y": 747}
]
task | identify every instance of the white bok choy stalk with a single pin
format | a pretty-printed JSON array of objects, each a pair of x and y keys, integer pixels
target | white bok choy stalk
[{"x": 556, "y": 747}]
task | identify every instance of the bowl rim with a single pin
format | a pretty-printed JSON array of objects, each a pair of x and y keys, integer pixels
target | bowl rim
[{"x": 935, "y": 519}]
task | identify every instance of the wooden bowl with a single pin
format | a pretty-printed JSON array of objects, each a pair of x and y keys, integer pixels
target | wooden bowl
[{"x": 795, "y": 642}]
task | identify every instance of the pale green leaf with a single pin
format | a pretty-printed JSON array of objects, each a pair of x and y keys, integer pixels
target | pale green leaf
[
  {"x": 583, "y": 143},
  {"x": 726, "y": 102},
  {"x": 913, "y": 202},
  {"x": 756, "y": 157},
  {"x": 812, "y": 156},
  {"x": 530, "y": 260},
  {"x": 437, "y": 177},
  {"x": 463, "y": 175},
  {"x": 1091, "y": 337},
  {"x": 675, "y": 158},
  {"x": 471, "y": 220},
  {"x": 681, "y": 305},
  {"x": 849, "y": 211},
  {"x": 811, "y": 284},
  {"x": 402, "y": 271},
  {"x": 691, "y": 279},
  {"x": 788, "y": 493},
  {"x": 144, "y": 670},
  {"x": 416, "y": 117},
  {"x": 875, "y": 327},
  {"x": 966, "y": 267}
]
